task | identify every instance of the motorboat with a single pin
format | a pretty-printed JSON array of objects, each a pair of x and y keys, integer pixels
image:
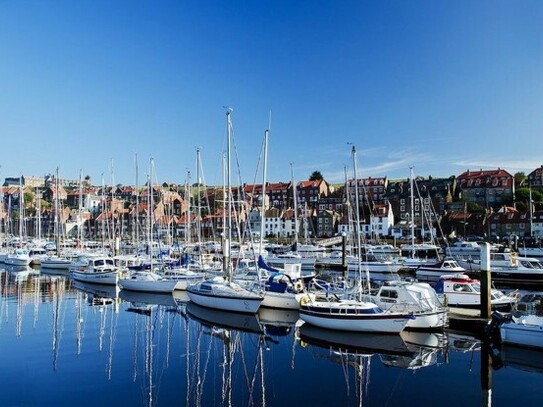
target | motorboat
[
  {"x": 536, "y": 252},
  {"x": 525, "y": 330},
  {"x": 98, "y": 270},
  {"x": 37, "y": 254},
  {"x": 464, "y": 249},
  {"x": 433, "y": 271},
  {"x": 464, "y": 292},
  {"x": 19, "y": 258},
  {"x": 373, "y": 264},
  {"x": 352, "y": 315}
]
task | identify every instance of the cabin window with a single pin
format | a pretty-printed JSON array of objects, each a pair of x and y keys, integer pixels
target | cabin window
[
  {"x": 389, "y": 294},
  {"x": 462, "y": 288}
]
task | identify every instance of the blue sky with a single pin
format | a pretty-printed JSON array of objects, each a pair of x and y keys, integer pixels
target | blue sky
[{"x": 444, "y": 86}]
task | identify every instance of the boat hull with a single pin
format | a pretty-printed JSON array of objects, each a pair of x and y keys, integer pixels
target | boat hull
[
  {"x": 164, "y": 286},
  {"x": 109, "y": 278},
  {"x": 17, "y": 262},
  {"x": 284, "y": 300},
  {"x": 55, "y": 265},
  {"x": 245, "y": 304},
  {"x": 429, "y": 320},
  {"x": 522, "y": 335},
  {"x": 384, "y": 323}
]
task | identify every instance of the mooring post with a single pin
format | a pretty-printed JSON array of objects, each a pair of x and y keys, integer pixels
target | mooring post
[{"x": 486, "y": 284}]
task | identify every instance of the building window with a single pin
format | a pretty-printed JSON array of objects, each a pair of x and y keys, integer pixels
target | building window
[
  {"x": 402, "y": 208},
  {"x": 402, "y": 201}
]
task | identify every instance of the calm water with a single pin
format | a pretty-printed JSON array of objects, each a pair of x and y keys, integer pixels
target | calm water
[{"x": 65, "y": 344}]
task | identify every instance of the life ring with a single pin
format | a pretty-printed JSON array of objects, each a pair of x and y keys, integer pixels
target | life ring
[
  {"x": 305, "y": 300},
  {"x": 298, "y": 286}
]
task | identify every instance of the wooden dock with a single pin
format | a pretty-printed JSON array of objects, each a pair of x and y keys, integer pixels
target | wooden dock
[{"x": 467, "y": 320}]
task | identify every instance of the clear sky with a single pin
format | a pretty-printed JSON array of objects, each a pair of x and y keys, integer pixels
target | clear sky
[{"x": 445, "y": 86}]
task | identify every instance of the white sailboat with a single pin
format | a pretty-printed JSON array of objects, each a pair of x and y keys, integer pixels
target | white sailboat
[
  {"x": 56, "y": 263},
  {"x": 353, "y": 315},
  {"x": 147, "y": 281},
  {"x": 220, "y": 292},
  {"x": 20, "y": 257}
]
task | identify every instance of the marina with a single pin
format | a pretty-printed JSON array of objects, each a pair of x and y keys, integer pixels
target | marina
[
  {"x": 271, "y": 203},
  {"x": 88, "y": 344}
]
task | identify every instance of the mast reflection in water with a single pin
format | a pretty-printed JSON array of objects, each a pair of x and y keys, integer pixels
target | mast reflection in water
[{"x": 79, "y": 344}]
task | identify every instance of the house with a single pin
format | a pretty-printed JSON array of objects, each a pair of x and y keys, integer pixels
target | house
[
  {"x": 537, "y": 224},
  {"x": 289, "y": 228},
  {"x": 330, "y": 204},
  {"x": 487, "y": 188},
  {"x": 372, "y": 190},
  {"x": 272, "y": 222},
  {"x": 309, "y": 192},
  {"x": 327, "y": 223},
  {"x": 509, "y": 222},
  {"x": 535, "y": 178},
  {"x": 379, "y": 223},
  {"x": 280, "y": 195},
  {"x": 431, "y": 197},
  {"x": 49, "y": 194}
]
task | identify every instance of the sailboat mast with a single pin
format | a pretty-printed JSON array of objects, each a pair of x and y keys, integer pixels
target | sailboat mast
[
  {"x": 348, "y": 203},
  {"x": 80, "y": 209},
  {"x": 57, "y": 214},
  {"x": 531, "y": 211},
  {"x": 264, "y": 175},
  {"x": 357, "y": 217},
  {"x": 150, "y": 217},
  {"x": 38, "y": 214},
  {"x": 412, "y": 212},
  {"x": 187, "y": 220},
  {"x": 21, "y": 208},
  {"x": 137, "y": 215},
  {"x": 228, "y": 236},
  {"x": 295, "y": 199},
  {"x": 103, "y": 198},
  {"x": 198, "y": 219}
]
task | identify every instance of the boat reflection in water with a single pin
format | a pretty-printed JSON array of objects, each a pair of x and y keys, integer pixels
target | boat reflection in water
[
  {"x": 277, "y": 322},
  {"x": 354, "y": 342},
  {"x": 516, "y": 357},
  {"x": 153, "y": 330},
  {"x": 234, "y": 336}
]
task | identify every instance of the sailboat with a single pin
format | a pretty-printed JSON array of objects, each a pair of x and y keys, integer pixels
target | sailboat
[
  {"x": 415, "y": 249},
  {"x": 351, "y": 314},
  {"x": 221, "y": 292},
  {"x": 20, "y": 256},
  {"x": 56, "y": 263}
]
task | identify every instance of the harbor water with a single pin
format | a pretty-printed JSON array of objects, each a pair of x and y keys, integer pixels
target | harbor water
[{"x": 66, "y": 343}]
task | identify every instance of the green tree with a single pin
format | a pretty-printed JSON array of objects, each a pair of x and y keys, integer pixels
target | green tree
[
  {"x": 522, "y": 195},
  {"x": 316, "y": 176},
  {"x": 520, "y": 179},
  {"x": 29, "y": 199}
]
